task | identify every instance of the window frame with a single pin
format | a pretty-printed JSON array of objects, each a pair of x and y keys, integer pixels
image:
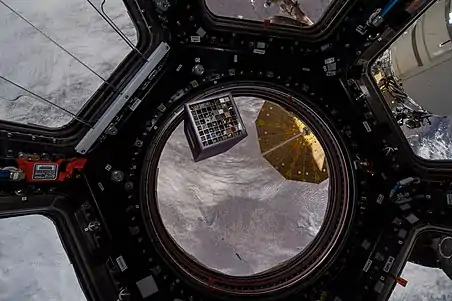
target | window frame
[{"x": 142, "y": 16}]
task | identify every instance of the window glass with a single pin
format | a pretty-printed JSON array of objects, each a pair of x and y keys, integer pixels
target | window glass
[
  {"x": 289, "y": 12},
  {"x": 33, "y": 262},
  {"x": 414, "y": 75},
  {"x": 31, "y": 60}
]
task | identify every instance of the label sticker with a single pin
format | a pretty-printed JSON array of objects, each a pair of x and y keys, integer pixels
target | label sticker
[
  {"x": 380, "y": 198},
  {"x": 121, "y": 263},
  {"x": 367, "y": 266},
  {"x": 401, "y": 281},
  {"x": 45, "y": 172},
  {"x": 331, "y": 73},
  {"x": 402, "y": 233},
  {"x": 405, "y": 207},
  {"x": 388, "y": 264},
  {"x": 379, "y": 287},
  {"x": 161, "y": 108},
  {"x": 412, "y": 218},
  {"x": 449, "y": 199},
  {"x": 194, "y": 84},
  {"x": 259, "y": 51},
  {"x": 367, "y": 127},
  {"x": 147, "y": 286},
  {"x": 201, "y": 32},
  {"x": 135, "y": 103},
  {"x": 329, "y": 60}
]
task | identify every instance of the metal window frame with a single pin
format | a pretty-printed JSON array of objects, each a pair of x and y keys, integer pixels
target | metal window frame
[{"x": 94, "y": 133}]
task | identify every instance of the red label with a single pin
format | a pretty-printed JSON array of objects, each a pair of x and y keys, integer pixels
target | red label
[{"x": 47, "y": 171}]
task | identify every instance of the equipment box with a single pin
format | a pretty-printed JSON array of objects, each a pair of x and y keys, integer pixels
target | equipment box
[{"x": 212, "y": 126}]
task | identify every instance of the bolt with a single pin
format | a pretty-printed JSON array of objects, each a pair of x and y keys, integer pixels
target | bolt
[
  {"x": 112, "y": 131},
  {"x": 117, "y": 176},
  {"x": 198, "y": 69},
  {"x": 20, "y": 192},
  {"x": 128, "y": 186},
  {"x": 93, "y": 226}
]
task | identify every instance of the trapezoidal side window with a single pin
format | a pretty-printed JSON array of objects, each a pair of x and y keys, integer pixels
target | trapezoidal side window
[
  {"x": 56, "y": 54},
  {"x": 414, "y": 75},
  {"x": 33, "y": 262}
]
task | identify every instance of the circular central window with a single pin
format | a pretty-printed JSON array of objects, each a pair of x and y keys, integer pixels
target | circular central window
[
  {"x": 264, "y": 214},
  {"x": 253, "y": 207}
]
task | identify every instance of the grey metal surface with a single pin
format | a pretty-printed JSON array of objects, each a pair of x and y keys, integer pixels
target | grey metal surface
[{"x": 94, "y": 133}]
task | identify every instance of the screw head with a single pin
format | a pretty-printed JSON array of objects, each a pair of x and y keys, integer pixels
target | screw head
[
  {"x": 117, "y": 176},
  {"x": 128, "y": 186},
  {"x": 111, "y": 131},
  {"x": 198, "y": 69}
]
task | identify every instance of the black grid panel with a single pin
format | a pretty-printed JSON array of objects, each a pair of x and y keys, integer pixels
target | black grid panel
[
  {"x": 213, "y": 126},
  {"x": 216, "y": 120}
]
